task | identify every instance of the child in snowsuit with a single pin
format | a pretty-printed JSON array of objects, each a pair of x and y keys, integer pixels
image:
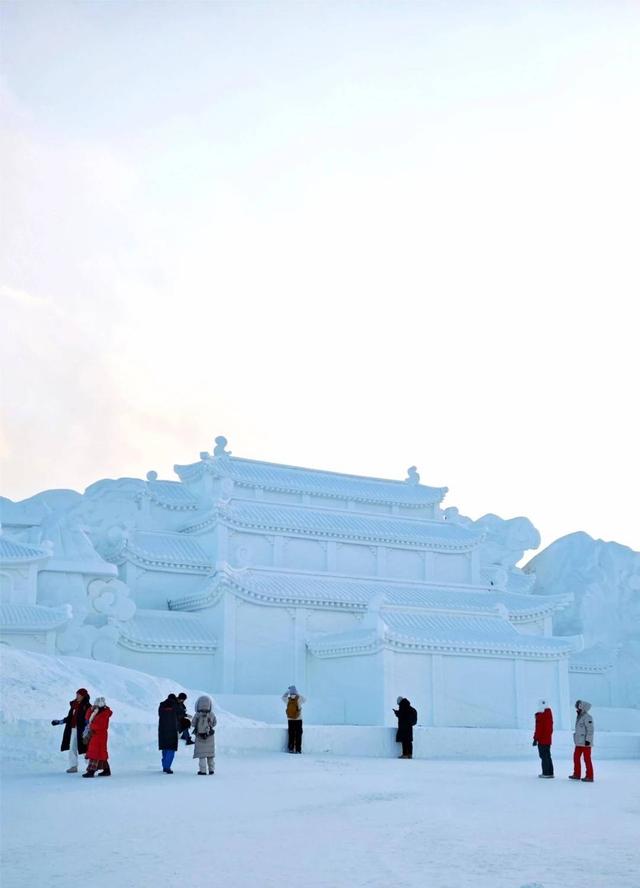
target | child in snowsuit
[
  {"x": 203, "y": 726},
  {"x": 97, "y": 732},
  {"x": 294, "y": 702},
  {"x": 542, "y": 735},
  {"x": 74, "y": 725},
  {"x": 407, "y": 718},
  {"x": 583, "y": 739}
]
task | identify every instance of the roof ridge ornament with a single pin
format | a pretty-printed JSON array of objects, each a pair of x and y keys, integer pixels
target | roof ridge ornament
[
  {"x": 152, "y": 476},
  {"x": 412, "y": 475},
  {"x": 220, "y": 446}
]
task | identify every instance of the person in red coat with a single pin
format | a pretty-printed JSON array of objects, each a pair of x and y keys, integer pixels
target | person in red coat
[
  {"x": 98, "y": 730},
  {"x": 542, "y": 737}
]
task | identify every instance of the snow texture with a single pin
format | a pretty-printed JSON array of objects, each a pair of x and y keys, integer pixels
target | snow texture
[{"x": 604, "y": 580}]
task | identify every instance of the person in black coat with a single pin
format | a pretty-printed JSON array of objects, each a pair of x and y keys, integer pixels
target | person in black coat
[
  {"x": 184, "y": 722},
  {"x": 74, "y": 725},
  {"x": 407, "y": 718},
  {"x": 168, "y": 731}
]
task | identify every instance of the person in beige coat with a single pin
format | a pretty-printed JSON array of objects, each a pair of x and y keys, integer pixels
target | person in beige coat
[
  {"x": 583, "y": 739},
  {"x": 204, "y": 735}
]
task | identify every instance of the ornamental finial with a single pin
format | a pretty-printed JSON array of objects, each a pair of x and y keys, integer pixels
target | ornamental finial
[
  {"x": 221, "y": 443},
  {"x": 412, "y": 475},
  {"x": 152, "y": 476}
]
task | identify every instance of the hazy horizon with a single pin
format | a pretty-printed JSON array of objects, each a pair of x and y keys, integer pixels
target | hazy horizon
[{"x": 349, "y": 236}]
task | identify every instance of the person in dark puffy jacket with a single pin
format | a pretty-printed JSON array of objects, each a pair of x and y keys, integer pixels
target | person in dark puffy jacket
[
  {"x": 407, "y": 719},
  {"x": 583, "y": 739},
  {"x": 542, "y": 736},
  {"x": 74, "y": 725},
  {"x": 168, "y": 731}
]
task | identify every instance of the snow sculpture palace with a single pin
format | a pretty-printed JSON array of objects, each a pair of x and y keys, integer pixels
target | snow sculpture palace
[{"x": 243, "y": 577}]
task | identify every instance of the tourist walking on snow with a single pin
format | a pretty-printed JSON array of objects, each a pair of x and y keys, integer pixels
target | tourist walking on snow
[
  {"x": 97, "y": 733},
  {"x": 583, "y": 739},
  {"x": 184, "y": 721},
  {"x": 204, "y": 723},
  {"x": 542, "y": 736},
  {"x": 168, "y": 731},
  {"x": 74, "y": 725},
  {"x": 407, "y": 719},
  {"x": 294, "y": 702}
]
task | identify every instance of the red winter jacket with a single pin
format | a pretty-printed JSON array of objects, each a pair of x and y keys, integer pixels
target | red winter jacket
[
  {"x": 99, "y": 727},
  {"x": 544, "y": 727}
]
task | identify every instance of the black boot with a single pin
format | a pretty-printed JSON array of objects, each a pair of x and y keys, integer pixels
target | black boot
[
  {"x": 106, "y": 771},
  {"x": 89, "y": 774}
]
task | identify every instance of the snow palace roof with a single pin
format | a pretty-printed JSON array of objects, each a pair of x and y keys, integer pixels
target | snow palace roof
[
  {"x": 33, "y": 617},
  {"x": 333, "y": 523},
  {"x": 13, "y": 552},
  {"x": 296, "y": 479},
  {"x": 156, "y": 630},
  {"x": 170, "y": 551},
  {"x": 289, "y": 589},
  {"x": 489, "y": 636}
]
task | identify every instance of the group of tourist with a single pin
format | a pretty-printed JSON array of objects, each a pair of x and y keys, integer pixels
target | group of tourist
[
  {"x": 174, "y": 722},
  {"x": 582, "y": 738},
  {"x": 86, "y": 729}
]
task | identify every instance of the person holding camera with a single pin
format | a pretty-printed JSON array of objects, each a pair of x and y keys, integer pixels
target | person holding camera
[
  {"x": 407, "y": 719},
  {"x": 542, "y": 737},
  {"x": 74, "y": 725},
  {"x": 294, "y": 701},
  {"x": 203, "y": 726}
]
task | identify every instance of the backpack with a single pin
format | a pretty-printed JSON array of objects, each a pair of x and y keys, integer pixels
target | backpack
[
  {"x": 293, "y": 708},
  {"x": 414, "y": 717},
  {"x": 202, "y": 727}
]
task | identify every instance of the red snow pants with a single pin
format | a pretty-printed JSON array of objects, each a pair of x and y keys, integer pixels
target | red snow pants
[{"x": 578, "y": 752}]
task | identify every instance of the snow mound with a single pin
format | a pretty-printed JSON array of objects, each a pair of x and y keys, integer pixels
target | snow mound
[{"x": 36, "y": 688}]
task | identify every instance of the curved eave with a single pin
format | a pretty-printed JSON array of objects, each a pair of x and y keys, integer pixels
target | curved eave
[
  {"x": 26, "y": 629},
  {"x": 171, "y": 506},
  {"x": 163, "y": 647},
  {"x": 89, "y": 568},
  {"x": 206, "y": 523},
  {"x": 429, "y": 544},
  {"x": 25, "y": 559},
  {"x": 592, "y": 668},
  {"x": 408, "y": 644},
  {"x": 151, "y": 562}
]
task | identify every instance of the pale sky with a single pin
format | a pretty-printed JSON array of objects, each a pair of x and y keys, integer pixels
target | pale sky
[{"x": 355, "y": 236}]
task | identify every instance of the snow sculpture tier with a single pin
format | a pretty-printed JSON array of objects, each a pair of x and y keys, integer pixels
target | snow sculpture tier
[{"x": 245, "y": 576}]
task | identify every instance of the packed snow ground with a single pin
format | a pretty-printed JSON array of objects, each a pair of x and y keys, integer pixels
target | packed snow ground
[{"x": 274, "y": 820}]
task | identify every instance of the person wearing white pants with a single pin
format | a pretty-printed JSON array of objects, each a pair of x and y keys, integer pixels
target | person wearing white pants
[{"x": 74, "y": 725}]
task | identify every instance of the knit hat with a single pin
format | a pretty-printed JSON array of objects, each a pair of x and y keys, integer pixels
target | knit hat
[
  {"x": 99, "y": 701},
  {"x": 83, "y": 691},
  {"x": 182, "y": 696},
  {"x": 399, "y": 700},
  {"x": 293, "y": 690}
]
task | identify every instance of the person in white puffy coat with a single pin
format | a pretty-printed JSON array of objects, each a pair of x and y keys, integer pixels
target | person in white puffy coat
[
  {"x": 203, "y": 727},
  {"x": 583, "y": 739}
]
